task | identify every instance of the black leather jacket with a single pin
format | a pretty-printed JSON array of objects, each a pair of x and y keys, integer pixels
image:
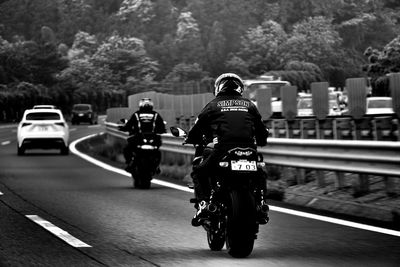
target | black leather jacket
[{"x": 232, "y": 119}]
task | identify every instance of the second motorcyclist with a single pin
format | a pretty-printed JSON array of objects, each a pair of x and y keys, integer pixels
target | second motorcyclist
[{"x": 144, "y": 121}]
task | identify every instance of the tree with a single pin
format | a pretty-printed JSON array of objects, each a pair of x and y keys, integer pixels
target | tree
[
  {"x": 382, "y": 63},
  {"x": 127, "y": 57},
  {"x": 185, "y": 72},
  {"x": 188, "y": 39},
  {"x": 25, "y": 18},
  {"x": 215, "y": 50},
  {"x": 83, "y": 15},
  {"x": 30, "y": 61},
  {"x": 314, "y": 40},
  {"x": 260, "y": 47}
]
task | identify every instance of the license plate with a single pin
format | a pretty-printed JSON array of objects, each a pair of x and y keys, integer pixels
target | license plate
[
  {"x": 243, "y": 165},
  {"x": 81, "y": 114},
  {"x": 42, "y": 128}
]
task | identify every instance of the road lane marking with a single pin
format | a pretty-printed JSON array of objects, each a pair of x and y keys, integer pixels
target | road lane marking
[
  {"x": 5, "y": 143},
  {"x": 72, "y": 129},
  {"x": 336, "y": 221},
  {"x": 117, "y": 170},
  {"x": 274, "y": 208},
  {"x": 1, "y": 193},
  {"x": 8, "y": 126},
  {"x": 94, "y": 126},
  {"x": 60, "y": 233}
]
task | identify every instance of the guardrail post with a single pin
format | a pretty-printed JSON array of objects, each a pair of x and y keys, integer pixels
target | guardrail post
[
  {"x": 384, "y": 129},
  {"x": 363, "y": 129},
  {"x": 309, "y": 128},
  {"x": 391, "y": 186},
  {"x": 340, "y": 181},
  {"x": 294, "y": 128},
  {"x": 300, "y": 176},
  {"x": 326, "y": 129},
  {"x": 280, "y": 128},
  {"x": 361, "y": 185},
  {"x": 396, "y": 129},
  {"x": 344, "y": 128},
  {"x": 320, "y": 178}
]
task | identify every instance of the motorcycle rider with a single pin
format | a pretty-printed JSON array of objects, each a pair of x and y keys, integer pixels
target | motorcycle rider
[
  {"x": 143, "y": 122},
  {"x": 228, "y": 121}
]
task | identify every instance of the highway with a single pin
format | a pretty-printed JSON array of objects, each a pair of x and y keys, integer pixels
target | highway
[{"x": 65, "y": 211}]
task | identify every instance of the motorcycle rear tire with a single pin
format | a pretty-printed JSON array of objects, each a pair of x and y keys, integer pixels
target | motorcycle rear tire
[
  {"x": 241, "y": 224},
  {"x": 136, "y": 183},
  {"x": 145, "y": 183}
]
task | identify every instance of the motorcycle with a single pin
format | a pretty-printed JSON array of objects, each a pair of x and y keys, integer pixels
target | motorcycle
[
  {"x": 237, "y": 206},
  {"x": 145, "y": 158}
]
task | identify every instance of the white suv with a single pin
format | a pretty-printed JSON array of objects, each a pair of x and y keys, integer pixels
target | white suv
[{"x": 43, "y": 128}]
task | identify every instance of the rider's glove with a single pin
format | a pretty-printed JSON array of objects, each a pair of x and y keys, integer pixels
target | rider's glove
[{"x": 184, "y": 142}]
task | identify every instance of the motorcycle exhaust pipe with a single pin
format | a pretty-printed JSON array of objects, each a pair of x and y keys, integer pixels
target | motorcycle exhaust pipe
[
  {"x": 264, "y": 208},
  {"x": 212, "y": 208}
]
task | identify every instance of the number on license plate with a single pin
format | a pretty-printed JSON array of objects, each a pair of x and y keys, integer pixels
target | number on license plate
[
  {"x": 42, "y": 128},
  {"x": 243, "y": 165}
]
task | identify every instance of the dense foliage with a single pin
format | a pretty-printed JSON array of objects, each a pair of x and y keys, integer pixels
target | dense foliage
[{"x": 98, "y": 51}]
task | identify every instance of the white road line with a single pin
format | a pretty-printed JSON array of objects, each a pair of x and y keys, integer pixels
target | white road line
[
  {"x": 5, "y": 143},
  {"x": 94, "y": 126},
  {"x": 1, "y": 193},
  {"x": 274, "y": 208},
  {"x": 58, "y": 232},
  {"x": 117, "y": 170},
  {"x": 8, "y": 126},
  {"x": 336, "y": 221},
  {"x": 72, "y": 129}
]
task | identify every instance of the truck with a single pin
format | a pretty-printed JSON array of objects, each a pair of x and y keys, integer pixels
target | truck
[{"x": 268, "y": 83}]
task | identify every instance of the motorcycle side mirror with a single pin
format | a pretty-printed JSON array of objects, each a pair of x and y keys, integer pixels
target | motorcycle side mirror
[{"x": 178, "y": 132}]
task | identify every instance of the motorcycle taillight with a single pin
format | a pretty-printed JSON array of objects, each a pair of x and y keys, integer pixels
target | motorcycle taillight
[
  {"x": 224, "y": 164},
  {"x": 261, "y": 164}
]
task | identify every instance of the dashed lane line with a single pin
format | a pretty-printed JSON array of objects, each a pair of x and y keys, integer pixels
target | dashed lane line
[
  {"x": 274, "y": 208},
  {"x": 5, "y": 143},
  {"x": 60, "y": 233},
  {"x": 1, "y": 193}
]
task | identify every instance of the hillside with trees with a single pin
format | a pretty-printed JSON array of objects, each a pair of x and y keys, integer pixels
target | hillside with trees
[{"x": 100, "y": 51}]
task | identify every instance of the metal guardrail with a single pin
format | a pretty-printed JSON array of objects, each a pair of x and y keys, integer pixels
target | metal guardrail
[{"x": 363, "y": 157}]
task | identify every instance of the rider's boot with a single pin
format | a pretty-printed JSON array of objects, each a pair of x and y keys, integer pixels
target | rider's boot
[
  {"x": 130, "y": 163},
  {"x": 262, "y": 213},
  {"x": 130, "y": 167},
  {"x": 201, "y": 213}
]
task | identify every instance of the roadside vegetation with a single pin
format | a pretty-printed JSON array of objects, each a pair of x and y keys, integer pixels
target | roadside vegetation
[{"x": 99, "y": 52}]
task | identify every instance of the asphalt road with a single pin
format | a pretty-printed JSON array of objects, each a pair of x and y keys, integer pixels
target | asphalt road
[{"x": 112, "y": 224}]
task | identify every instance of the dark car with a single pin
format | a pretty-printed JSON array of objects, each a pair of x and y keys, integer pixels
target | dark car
[{"x": 83, "y": 113}]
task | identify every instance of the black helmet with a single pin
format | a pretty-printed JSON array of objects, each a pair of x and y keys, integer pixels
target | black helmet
[
  {"x": 145, "y": 104},
  {"x": 228, "y": 82}
]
